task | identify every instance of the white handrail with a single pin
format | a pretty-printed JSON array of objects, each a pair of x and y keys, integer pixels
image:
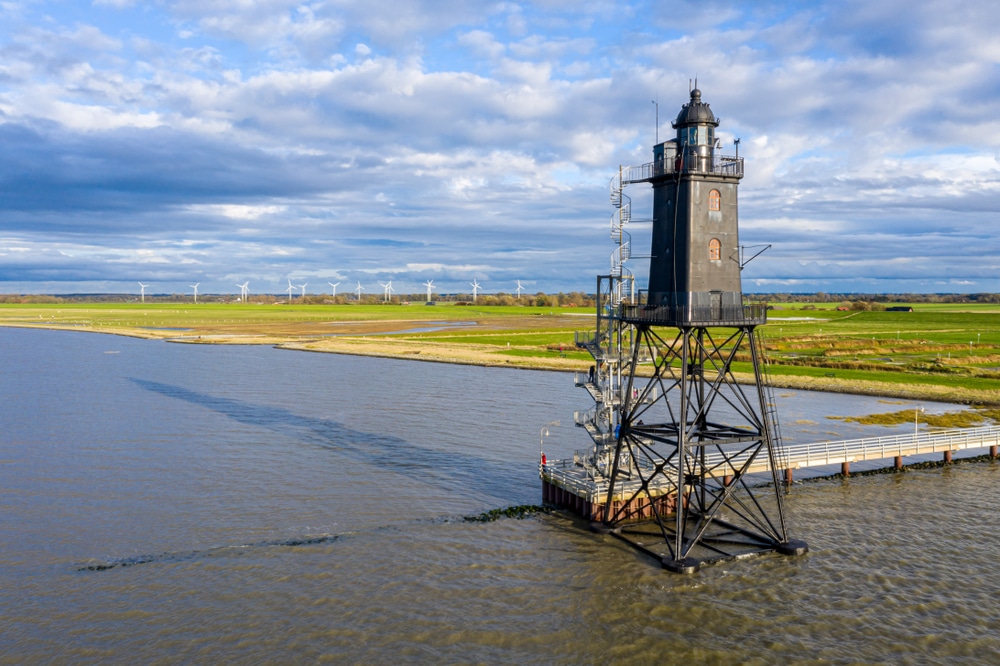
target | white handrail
[{"x": 565, "y": 474}]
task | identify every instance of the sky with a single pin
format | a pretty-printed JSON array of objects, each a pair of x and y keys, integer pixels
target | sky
[{"x": 176, "y": 142}]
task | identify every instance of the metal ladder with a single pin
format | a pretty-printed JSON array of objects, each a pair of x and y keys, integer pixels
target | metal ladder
[{"x": 771, "y": 410}]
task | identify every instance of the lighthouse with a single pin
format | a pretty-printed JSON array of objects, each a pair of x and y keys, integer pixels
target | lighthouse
[
  {"x": 686, "y": 460},
  {"x": 694, "y": 265}
]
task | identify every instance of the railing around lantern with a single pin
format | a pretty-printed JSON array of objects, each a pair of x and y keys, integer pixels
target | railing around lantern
[
  {"x": 719, "y": 166},
  {"x": 726, "y": 315}
]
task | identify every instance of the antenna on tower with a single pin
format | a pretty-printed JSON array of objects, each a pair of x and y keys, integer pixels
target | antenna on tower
[{"x": 656, "y": 102}]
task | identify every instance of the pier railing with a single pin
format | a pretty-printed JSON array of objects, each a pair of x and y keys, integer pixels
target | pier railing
[
  {"x": 573, "y": 475},
  {"x": 878, "y": 448},
  {"x": 815, "y": 454}
]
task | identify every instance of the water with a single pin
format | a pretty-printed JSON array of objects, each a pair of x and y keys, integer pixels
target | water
[{"x": 190, "y": 503}]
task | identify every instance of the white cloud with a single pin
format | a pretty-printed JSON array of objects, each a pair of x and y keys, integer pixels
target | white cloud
[
  {"x": 441, "y": 133},
  {"x": 482, "y": 44},
  {"x": 237, "y": 211}
]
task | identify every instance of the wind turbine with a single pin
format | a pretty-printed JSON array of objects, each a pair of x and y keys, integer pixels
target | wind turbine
[
  {"x": 430, "y": 285},
  {"x": 334, "y": 288},
  {"x": 290, "y": 287},
  {"x": 195, "y": 287},
  {"x": 475, "y": 289},
  {"x": 359, "y": 290},
  {"x": 388, "y": 290},
  {"x": 303, "y": 288},
  {"x": 244, "y": 290},
  {"x": 142, "y": 291},
  {"x": 519, "y": 288}
]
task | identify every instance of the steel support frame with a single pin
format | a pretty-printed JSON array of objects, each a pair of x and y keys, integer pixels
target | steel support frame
[{"x": 719, "y": 513}]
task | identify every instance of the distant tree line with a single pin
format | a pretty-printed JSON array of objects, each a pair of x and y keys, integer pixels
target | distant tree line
[
  {"x": 540, "y": 299},
  {"x": 823, "y": 297},
  {"x": 855, "y": 301}
]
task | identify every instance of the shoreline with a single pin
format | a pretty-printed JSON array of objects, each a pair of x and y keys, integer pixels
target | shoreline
[{"x": 381, "y": 346}]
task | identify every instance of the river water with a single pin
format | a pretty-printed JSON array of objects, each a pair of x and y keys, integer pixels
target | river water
[{"x": 169, "y": 503}]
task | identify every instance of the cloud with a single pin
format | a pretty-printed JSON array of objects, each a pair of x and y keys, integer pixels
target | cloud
[
  {"x": 460, "y": 140},
  {"x": 238, "y": 212}
]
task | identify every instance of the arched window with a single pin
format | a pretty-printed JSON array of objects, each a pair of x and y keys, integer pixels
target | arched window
[
  {"x": 714, "y": 250},
  {"x": 714, "y": 200}
]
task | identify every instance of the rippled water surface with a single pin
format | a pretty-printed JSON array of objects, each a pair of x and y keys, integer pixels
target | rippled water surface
[{"x": 188, "y": 503}]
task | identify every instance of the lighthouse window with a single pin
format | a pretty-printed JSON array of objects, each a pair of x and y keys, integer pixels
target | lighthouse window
[
  {"x": 714, "y": 250},
  {"x": 714, "y": 200},
  {"x": 697, "y": 136}
]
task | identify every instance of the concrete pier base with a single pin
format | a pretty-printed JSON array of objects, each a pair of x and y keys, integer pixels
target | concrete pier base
[
  {"x": 688, "y": 565},
  {"x": 794, "y": 547}
]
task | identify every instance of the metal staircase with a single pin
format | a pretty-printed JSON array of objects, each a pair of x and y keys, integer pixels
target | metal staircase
[{"x": 624, "y": 287}]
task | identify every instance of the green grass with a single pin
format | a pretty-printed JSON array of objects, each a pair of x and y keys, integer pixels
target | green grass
[
  {"x": 927, "y": 347},
  {"x": 963, "y": 419},
  {"x": 177, "y": 314}
]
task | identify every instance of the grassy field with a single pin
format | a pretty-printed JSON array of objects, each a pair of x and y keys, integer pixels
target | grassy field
[{"x": 939, "y": 351}]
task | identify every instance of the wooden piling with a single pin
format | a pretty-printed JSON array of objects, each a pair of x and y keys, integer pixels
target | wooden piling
[
  {"x": 947, "y": 456},
  {"x": 899, "y": 462},
  {"x": 845, "y": 468}
]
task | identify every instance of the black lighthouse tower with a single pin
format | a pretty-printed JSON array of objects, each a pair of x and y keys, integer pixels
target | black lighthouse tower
[
  {"x": 695, "y": 268},
  {"x": 686, "y": 459}
]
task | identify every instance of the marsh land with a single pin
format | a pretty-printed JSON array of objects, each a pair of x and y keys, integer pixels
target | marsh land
[{"x": 948, "y": 352}]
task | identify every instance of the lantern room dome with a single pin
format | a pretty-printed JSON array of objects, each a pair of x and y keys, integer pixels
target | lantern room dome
[{"x": 695, "y": 112}]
